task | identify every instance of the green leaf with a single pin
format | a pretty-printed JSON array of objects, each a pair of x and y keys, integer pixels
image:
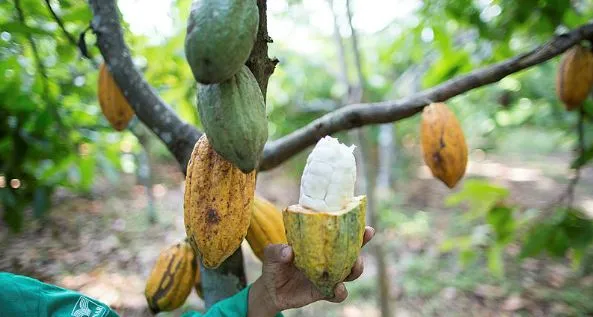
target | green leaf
[
  {"x": 41, "y": 201},
  {"x": 496, "y": 260},
  {"x": 501, "y": 220},
  {"x": 467, "y": 256},
  {"x": 558, "y": 244},
  {"x": 583, "y": 159},
  {"x": 578, "y": 229},
  {"x": 86, "y": 167},
  {"x": 19, "y": 28},
  {"x": 537, "y": 239},
  {"x": 481, "y": 196}
]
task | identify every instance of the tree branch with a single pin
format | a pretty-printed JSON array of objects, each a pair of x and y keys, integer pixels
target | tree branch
[
  {"x": 178, "y": 136},
  {"x": 357, "y": 115}
]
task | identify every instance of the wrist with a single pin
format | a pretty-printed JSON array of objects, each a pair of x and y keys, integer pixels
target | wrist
[{"x": 260, "y": 300}]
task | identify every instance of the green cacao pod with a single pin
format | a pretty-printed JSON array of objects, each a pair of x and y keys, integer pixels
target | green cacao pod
[
  {"x": 171, "y": 280},
  {"x": 326, "y": 228},
  {"x": 574, "y": 79},
  {"x": 220, "y": 36},
  {"x": 233, "y": 114}
]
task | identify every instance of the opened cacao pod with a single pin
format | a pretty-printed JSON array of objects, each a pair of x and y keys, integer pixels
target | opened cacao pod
[
  {"x": 443, "y": 144},
  {"x": 113, "y": 104},
  {"x": 266, "y": 227},
  {"x": 575, "y": 76},
  {"x": 217, "y": 205},
  {"x": 171, "y": 280},
  {"x": 326, "y": 228}
]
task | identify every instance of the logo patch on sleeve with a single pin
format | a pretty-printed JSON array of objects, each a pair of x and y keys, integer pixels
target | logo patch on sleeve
[{"x": 87, "y": 308}]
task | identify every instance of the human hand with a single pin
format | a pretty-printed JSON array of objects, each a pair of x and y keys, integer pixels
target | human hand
[{"x": 282, "y": 286}]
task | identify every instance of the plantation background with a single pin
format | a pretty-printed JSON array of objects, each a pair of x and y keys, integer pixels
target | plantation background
[{"x": 89, "y": 208}]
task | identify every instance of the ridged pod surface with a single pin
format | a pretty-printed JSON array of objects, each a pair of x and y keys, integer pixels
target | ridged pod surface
[
  {"x": 443, "y": 144},
  {"x": 325, "y": 230},
  {"x": 574, "y": 79},
  {"x": 233, "y": 114},
  {"x": 172, "y": 278},
  {"x": 218, "y": 202},
  {"x": 326, "y": 244},
  {"x": 220, "y": 36},
  {"x": 113, "y": 104},
  {"x": 266, "y": 227}
]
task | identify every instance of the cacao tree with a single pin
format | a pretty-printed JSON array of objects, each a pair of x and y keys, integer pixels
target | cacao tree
[{"x": 45, "y": 112}]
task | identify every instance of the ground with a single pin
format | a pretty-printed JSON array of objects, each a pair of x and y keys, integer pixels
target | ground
[{"x": 104, "y": 246}]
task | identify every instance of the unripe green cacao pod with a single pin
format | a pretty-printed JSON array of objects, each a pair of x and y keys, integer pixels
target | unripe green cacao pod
[
  {"x": 172, "y": 278},
  {"x": 233, "y": 114},
  {"x": 220, "y": 36}
]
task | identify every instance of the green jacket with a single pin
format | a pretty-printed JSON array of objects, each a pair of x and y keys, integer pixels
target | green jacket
[{"x": 26, "y": 297}]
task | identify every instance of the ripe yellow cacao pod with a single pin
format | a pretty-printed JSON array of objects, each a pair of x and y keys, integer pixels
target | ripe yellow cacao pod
[
  {"x": 113, "y": 104},
  {"x": 266, "y": 227},
  {"x": 172, "y": 278},
  {"x": 326, "y": 228},
  {"x": 218, "y": 204},
  {"x": 574, "y": 79},
  {"x": 443, "y": 144}
]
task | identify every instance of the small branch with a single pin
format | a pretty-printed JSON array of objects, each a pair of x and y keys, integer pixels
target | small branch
[
  {"x": 259, "y": 63},
  {"x": 357, "y": 115},
  {"x": 60, "y": 24},
  {"x": 69, "y": 36},
  {"x": 178, "y": 136},
  {"x": 40, "y": 67}
]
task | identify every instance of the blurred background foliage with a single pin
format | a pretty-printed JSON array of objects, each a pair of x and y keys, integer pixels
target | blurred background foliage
[{"x": 53, "y": 136}]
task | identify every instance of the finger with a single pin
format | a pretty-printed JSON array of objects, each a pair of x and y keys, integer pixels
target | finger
[
  {"x": 340, "y": 294},
  {"x": 369, "y": 233},
  {"x": 356, "y": 270},
  {"x": 278, "y": 253}
]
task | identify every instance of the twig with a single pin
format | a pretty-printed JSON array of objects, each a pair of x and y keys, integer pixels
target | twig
[
  {"x": 41, "y": 68},
  {"x": 60, "y": 23}
]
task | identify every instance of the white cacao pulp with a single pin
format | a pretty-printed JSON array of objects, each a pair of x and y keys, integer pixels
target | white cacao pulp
[{"x": 327, "y": 183}]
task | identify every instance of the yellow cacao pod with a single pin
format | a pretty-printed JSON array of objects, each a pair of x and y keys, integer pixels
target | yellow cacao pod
[
  {"x": 171, "y": 280},
  {"x": 443, "y": 144},
  {"x": 574, "y": 79},
  {"x": 326, "y": 244},
  {"x": 218, "y": 204},
  {"x": 266, "y": 227},
  {"x": 113, "y": 104}
]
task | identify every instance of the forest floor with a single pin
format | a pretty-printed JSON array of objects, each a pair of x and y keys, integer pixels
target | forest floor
[{"x": 103, "y": 246}]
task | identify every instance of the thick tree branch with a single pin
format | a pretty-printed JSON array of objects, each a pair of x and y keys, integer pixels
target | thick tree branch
[
  {"x": 178, "y": 136},
  {"x": 357, "y": 115}
]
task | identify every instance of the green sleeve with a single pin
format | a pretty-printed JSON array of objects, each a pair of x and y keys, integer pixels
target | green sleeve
[
  {"x": 24, "y": 296},
  {"x": 234, "y": 306}
]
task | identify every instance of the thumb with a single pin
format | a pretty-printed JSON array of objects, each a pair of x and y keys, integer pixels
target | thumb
[{"x": 278, "y": 253}]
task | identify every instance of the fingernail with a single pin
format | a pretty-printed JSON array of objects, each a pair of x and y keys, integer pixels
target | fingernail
[{"x": 285, "y": 252}]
